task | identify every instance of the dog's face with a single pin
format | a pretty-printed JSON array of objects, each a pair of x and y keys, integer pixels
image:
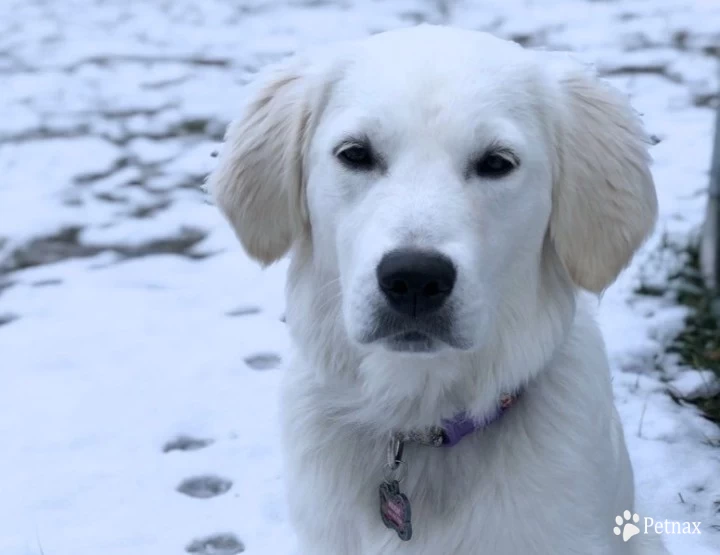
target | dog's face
[
  {"x": 427, "y": 177},
  {"x": 429, "y": 168}
]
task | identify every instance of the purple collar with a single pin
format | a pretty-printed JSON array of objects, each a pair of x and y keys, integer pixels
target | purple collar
[{"x": 453, "y": 430}]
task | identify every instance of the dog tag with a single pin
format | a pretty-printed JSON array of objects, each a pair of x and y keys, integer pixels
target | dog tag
[{"x": 395, "y": 509}]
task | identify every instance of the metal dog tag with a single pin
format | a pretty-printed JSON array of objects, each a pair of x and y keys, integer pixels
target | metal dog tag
[{"x": 395, "y": 509}]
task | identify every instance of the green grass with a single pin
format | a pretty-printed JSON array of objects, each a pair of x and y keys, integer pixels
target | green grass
[{"x": 698, "y": 344}]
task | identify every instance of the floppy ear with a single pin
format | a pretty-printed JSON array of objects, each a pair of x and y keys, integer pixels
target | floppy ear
[
  {"x": 258, "y": 182},
  {"x": 604, "y": 202}
]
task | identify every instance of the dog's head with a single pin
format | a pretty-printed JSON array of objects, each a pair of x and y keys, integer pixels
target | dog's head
[{"x": 430, "y": 168}]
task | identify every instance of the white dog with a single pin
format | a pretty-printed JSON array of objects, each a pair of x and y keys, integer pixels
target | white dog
[{"x": 446, "y": 197}]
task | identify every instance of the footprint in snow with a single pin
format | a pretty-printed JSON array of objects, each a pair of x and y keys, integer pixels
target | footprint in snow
[
  {"x": 186, "y": 443},
  {"x": 219, "y": 544},
  {"x": 263, "y": 361},
  {"x": 243, "y": 311},
  {"x": 7, "y": 318},
  {"x": 204, "y": 487},
  {"x": 46, "y": 282}
]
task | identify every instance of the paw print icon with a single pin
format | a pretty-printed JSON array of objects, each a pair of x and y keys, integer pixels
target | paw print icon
[{"x": 627, "y": 525}]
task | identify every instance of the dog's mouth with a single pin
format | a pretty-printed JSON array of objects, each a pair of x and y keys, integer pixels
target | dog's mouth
[
  {"x": 416, "y": 335},
  {"x": 412, "y": 342}
]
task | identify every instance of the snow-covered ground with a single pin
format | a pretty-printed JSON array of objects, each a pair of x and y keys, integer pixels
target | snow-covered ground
[{"x": 139, "y": 348}]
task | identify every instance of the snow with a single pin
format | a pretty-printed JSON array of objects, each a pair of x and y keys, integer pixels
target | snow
[
  {"x": 141, "y": 347},
  {"x": 701, "y": 384}
]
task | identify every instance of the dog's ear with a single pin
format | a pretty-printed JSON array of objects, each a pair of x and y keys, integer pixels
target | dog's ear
[
  {"x": 258, "y": 182},
  {"x": 604, "y": 201}
]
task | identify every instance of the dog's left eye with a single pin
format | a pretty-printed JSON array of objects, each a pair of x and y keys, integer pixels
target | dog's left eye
[
  {"x": 495, "y": 164},
  {"x": 356, "y": 156}
]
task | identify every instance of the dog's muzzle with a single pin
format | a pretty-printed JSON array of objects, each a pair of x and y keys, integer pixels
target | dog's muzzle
[{"x": 415, "y": 286}]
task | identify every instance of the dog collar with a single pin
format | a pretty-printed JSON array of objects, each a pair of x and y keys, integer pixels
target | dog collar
[
  {"x": 394, "y": 505},
  {"x": 453, "y": 430}
]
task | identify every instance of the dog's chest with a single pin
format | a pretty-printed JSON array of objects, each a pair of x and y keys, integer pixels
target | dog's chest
[
  {"x": 525, "y": 484},
  {"x": 481, "y": 496},
  {"x": 462, "y": 503}
]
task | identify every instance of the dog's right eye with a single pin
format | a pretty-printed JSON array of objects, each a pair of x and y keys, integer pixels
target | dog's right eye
[
  {"x": 495, "y": 164},
  {"x": 356, "y": 156}
]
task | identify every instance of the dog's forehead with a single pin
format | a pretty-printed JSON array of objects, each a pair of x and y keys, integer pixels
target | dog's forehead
[
  {"x": 447, "y": 44},
  {"x": 433, "y": 68}
]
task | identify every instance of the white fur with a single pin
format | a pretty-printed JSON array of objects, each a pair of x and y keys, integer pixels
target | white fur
[{"x": 552, "y": 474}]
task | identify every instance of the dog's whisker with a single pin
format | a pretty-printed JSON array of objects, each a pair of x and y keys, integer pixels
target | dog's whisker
[{"x": 328, "y": 301}]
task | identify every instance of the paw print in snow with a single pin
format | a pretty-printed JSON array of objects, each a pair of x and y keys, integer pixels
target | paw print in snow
[{"x": 626, "y": 525}]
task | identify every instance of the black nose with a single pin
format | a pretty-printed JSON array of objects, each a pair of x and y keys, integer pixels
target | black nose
[{"x": 416, "y": 282}]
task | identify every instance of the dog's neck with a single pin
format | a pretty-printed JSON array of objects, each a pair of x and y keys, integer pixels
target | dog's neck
[{"x": 397, "y": 391}]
